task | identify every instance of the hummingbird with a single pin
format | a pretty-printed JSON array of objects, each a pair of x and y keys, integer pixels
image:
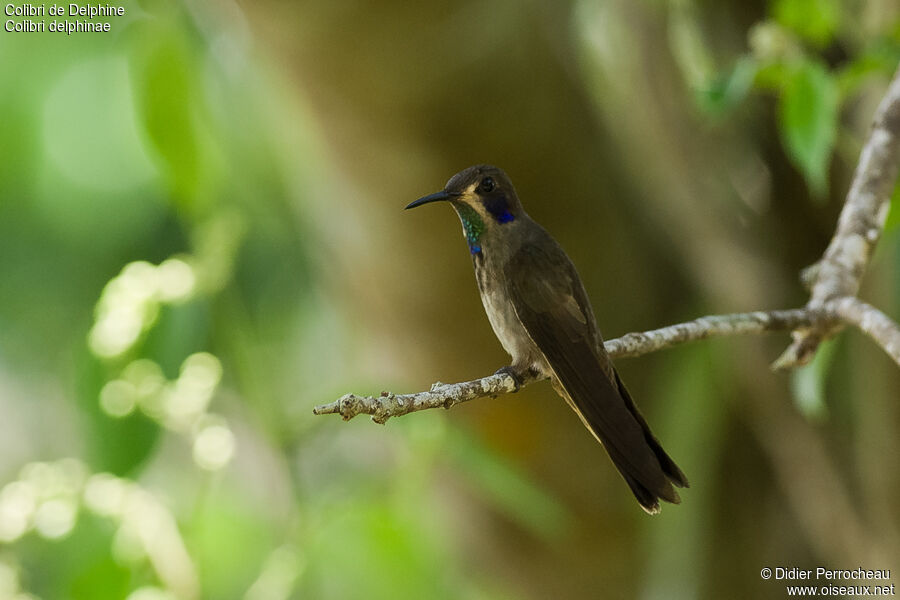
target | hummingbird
[{"x": 541, "y": 315}]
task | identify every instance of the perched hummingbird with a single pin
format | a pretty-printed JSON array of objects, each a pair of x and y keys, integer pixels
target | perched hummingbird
[{"x": 540, "y": 312}]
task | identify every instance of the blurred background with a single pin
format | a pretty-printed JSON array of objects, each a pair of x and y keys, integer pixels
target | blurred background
[{"x": 202, "y": 237}]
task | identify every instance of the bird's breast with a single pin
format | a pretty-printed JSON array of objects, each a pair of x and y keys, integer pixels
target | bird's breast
[{"x": 504, "y": 321}]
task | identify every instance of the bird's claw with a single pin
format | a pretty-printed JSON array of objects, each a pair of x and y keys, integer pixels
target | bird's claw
[{"x": 517, "y": 380}]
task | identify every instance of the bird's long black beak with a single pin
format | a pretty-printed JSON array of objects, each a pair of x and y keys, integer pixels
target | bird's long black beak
[{"x": 436, "y": 197}]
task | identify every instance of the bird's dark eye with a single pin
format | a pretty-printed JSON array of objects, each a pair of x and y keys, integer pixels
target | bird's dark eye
[{"x": 487, "y": 184}]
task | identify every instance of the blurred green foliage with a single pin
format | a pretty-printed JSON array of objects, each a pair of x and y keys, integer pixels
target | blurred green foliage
[
  {"x": 790, "y": 56},
  {"x": 815, "y": 21},
  {"x": 192, "y": 255},
  {"x": 808, "y": 121}
]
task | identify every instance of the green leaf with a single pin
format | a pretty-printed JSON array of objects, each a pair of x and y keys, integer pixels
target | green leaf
[
  {"x": 808, "y": 383},
  {"x": 880, "y": 59},
  {"x": 78, "y": 567},
  {"x": 730, "y": 88},
  {"x": 119, "y": 446},
  {"x": 814, "y": 20},
  {"x": 180, "y": 330},
  {"x": 807, "y": 121},
  {"x": 771, "y": 76},
  {"x": 166, "y": 76}
]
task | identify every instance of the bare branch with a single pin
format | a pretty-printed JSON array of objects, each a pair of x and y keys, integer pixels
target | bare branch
[
  {"x": 839, "y": 272},
  {"x": 637, "y": 344},
  {"x": 870, "y": 321},
  {"x": 443, "y": 395}
]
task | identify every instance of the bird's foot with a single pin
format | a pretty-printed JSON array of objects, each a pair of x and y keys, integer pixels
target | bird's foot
[{"x": 516, "y": 377}]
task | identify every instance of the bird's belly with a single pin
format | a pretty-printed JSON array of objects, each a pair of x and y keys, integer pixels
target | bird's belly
[{"x": 512, "y": 335}]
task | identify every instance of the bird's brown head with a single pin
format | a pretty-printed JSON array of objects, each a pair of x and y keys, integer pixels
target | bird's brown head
[{"x": 484, "y": 199}]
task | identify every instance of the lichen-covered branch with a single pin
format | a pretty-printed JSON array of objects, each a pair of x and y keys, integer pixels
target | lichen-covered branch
[
  {"x": 636, "y": 344},
  {"x": 872, "y": 322},
  {"x": 839, "y": 272},
  {"x": 443, "y": 395}
]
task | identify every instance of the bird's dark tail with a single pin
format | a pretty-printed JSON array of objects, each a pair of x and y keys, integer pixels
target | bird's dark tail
[
  {"x": 608, "y": 411},
  {"x": 646, "y": 498}
]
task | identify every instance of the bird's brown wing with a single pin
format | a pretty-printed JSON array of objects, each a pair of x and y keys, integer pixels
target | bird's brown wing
[{"x": 549, "y": 300}]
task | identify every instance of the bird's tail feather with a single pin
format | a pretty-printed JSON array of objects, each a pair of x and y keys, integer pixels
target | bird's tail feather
[
  {"x": 673, "y": 473},
  {"x": 600, "y": 417}
]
